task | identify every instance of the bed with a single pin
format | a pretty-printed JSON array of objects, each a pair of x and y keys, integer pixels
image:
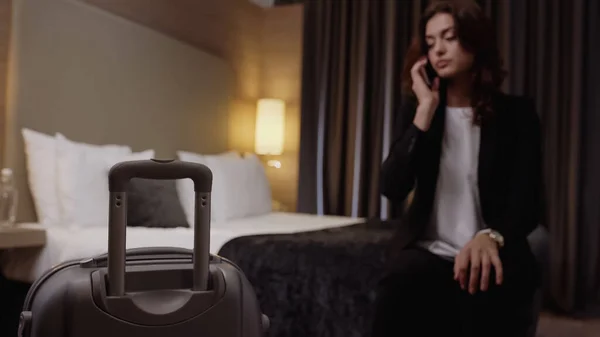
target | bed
[
  {"x": 65, "y": 243},
  {"x": 313, "y": 275}
]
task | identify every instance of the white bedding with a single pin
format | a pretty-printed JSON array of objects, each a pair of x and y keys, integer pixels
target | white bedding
[{"x": 64, "y": 244}]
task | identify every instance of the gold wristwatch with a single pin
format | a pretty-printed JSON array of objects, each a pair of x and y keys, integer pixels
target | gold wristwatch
[{"x": 494, "y": 235}]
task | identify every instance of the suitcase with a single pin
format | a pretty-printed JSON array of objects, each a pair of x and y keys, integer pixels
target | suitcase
[{"x": 150, "y": 292}]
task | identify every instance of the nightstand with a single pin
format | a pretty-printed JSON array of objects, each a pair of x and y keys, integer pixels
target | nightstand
[{"x": 22, "y": 236}]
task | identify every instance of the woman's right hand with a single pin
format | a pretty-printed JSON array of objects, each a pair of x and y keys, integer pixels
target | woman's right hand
[{"x": 428, "y": 97}]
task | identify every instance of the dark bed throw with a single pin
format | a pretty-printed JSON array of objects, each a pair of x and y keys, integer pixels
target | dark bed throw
[{"x": 318, "y": 284}]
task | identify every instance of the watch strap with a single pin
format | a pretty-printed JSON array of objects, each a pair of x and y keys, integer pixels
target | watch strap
[{"x": 494, "y": 235}]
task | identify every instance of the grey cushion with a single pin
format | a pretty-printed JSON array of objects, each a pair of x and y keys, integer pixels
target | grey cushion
[{"x": 154, "y": 203}]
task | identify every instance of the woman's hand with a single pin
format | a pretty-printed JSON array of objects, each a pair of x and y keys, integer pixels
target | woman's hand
[
  {"x": 475, "y": 260},
  {"x": 428, "y": 98}
]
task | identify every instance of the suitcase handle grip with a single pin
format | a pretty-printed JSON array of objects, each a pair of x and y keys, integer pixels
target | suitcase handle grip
[
  {"x": 121, "y": 173},
  {"x": 118, "y": 177}
]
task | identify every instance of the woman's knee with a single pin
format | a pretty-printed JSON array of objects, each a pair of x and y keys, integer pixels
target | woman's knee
[
  {"x": 396, "y": 284},
  {"x": 412, "y": 273}
]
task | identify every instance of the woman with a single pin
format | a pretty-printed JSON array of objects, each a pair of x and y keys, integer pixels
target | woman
[{"x": 471, "y": 156}]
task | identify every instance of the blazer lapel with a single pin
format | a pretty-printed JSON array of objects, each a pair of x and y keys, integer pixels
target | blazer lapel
[{"x": 487, "y": 149}]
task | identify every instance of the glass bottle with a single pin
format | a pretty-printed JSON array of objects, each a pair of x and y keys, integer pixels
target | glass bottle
[{"x": 8, "y": 198}]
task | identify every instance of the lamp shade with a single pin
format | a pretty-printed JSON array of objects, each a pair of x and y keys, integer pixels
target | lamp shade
[{"x": 270, "y": 126}]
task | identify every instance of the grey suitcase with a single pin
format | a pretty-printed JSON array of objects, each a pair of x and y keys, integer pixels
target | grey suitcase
[{"x": 150, "y": 292}]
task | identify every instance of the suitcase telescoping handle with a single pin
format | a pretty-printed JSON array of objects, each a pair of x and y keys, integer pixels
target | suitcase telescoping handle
[{"x": 118, "y": 180}]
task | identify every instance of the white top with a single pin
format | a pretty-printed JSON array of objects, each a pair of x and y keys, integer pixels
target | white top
[{"x": 456, "y": 216}]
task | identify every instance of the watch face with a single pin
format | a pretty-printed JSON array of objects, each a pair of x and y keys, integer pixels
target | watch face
[{"x": 497, "y": 237}]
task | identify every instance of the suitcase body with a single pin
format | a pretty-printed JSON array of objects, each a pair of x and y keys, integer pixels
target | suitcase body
[{"x": 150, "y": 292}]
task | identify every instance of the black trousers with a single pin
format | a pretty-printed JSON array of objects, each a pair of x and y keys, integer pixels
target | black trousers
[{"x": 420, "y": 297}]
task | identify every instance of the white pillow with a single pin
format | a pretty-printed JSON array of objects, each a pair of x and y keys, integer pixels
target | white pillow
[
  {"x": 41, "y": 162},
  {"x": 185, "y": 187},
  {"x": 40, "y": 154},
  {"x": 82, "y": 180},
  {"x": 247, "y": 191}
]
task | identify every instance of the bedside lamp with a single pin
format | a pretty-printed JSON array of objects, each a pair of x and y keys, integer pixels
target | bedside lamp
[{"x": 270, "y": 126}]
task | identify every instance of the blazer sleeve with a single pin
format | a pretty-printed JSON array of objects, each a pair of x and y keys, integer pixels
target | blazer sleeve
[
  {"x": 525, "y": 202},
  {"x": 398, "y": 171}
]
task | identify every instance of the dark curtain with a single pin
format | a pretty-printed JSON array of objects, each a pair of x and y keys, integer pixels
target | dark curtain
[
  {"x": 353, "y": 52},
  {"x": 352, "y": 61},
  {"x": 590, "y": 164}
]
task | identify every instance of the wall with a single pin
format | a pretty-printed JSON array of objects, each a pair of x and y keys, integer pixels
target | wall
[
  {"x": 97, "y": 78},
  {"x": 281, "y": 73},
  {"x": 5, "y": 30},
  {"x": 263, "y": 47},
  {"x": 230, "y": 29}
]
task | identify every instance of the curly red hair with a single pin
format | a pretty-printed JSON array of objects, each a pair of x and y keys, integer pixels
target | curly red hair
[{"x": 476, "y": 34}]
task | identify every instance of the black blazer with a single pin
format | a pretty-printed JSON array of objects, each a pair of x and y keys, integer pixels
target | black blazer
[{"x": 509, "y": 170}]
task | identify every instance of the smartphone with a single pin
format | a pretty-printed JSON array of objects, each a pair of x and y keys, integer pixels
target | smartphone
[{"x": 428, "y": 74}]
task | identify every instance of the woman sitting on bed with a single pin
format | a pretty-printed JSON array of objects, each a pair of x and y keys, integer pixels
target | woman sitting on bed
[{"x": 472, "y": 155}]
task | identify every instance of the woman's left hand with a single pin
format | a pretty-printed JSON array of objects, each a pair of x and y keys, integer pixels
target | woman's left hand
[{"x": 475, "y": 260}]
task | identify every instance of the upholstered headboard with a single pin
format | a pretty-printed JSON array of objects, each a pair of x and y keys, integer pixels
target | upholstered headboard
[{"x": 97, "y": 78}]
